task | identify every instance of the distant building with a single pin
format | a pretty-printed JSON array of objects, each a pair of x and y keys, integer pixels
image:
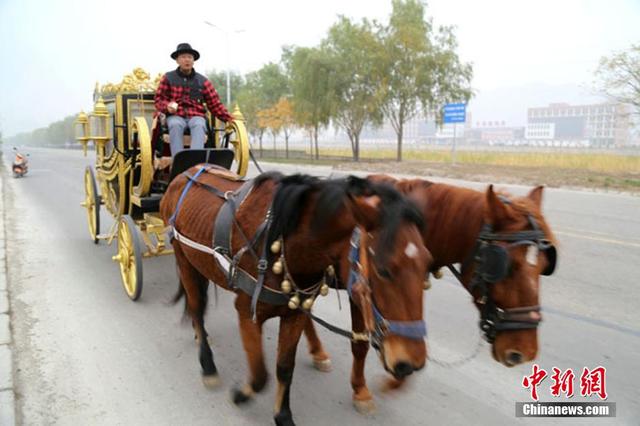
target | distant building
[
  {"x": 494, "y": 132},
  {"x": 599, "y": 125}
]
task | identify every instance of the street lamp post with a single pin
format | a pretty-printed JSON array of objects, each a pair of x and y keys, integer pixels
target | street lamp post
[{"x": 226, "y": 35}]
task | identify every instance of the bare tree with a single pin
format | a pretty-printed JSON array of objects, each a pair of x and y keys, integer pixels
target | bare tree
[{"x": 619, "y": 77}]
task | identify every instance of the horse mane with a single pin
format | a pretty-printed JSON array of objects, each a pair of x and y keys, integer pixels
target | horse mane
[
  {"x": 396, "y": 209},
  {"x": 289, "y": 201}
]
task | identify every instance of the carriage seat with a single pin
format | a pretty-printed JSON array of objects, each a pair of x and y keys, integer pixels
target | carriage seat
[{"x": 161, "y": 121}]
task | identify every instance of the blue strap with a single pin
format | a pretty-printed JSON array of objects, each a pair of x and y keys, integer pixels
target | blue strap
[
  {"x": 172, "y": 219},
  {"x": 416, "y": 330},
  {"x": 354, "y": 259}
]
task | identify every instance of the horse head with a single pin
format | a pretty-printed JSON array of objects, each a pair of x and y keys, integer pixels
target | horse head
[
  {"x": 317, "y": 222},
  {"x": 384, "y": 272},
  {"x": 514, "y": 248}
]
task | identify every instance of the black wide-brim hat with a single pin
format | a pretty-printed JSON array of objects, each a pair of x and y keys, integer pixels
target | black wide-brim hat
[{"x": 185, "y": 48}]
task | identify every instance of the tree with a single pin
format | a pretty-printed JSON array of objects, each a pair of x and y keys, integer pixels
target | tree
[
  {"x": 283, "y": 109},
  {"x": 619, "y": 76},
  {"x": 250, "y": 101},
  {"x": 356, "y": 54},
  {"x": 270, "y": 119},
  {"x": 262, "y": 90},
  {"x": 422, "y": 69},
  {"x": 312, "y": 78},
  {"x": 219, "y": 81}
]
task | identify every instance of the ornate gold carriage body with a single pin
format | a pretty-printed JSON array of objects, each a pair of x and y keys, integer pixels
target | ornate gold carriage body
[{"x": 132, "y": 168}]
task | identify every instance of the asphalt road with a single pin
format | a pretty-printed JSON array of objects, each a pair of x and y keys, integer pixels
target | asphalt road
[{"x": 86, "y": 355}]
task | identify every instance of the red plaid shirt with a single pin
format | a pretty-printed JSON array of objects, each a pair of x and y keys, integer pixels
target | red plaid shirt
[{"x": 187, "y": 106}]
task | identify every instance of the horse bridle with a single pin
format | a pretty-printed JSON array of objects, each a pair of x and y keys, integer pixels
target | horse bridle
[
  {"x": 492, "y": 264},
  {"x": 416, "y": 330}
]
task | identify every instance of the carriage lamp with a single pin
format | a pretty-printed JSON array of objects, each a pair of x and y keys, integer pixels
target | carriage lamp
[
  {"x": 81, "y": 128},
  {"x": 98, "y": 122}
]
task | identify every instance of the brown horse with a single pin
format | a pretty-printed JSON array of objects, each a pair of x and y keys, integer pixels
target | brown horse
[
  {"x": 503, "y": 244},
  {"x": 283, "y": 236}
]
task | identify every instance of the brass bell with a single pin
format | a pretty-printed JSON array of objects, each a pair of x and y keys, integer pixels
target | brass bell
[
  {"x": 286, "y": 286},
  {"x": 438, "y": 274},
  {"x": 294, "y": 302},
  {"x": 277, "y": 267},
  {"x": 307, "y": 304},
  {"x": 276, "y": 246},
  {"x": 331, "y": 270},
  {"x": 324, "y": 289},
  {"x": 427, "y": 284}
]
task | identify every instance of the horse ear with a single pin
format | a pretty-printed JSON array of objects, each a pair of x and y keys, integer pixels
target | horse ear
[
  {"x": 361, "y": 296},
  {"x": 366, "y": 210},
  {"x": 536, "y": 195},
  {"x": 497, "y": 211}
]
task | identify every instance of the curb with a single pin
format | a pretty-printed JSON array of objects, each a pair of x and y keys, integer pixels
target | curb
[{"x": 7, "y": 391}]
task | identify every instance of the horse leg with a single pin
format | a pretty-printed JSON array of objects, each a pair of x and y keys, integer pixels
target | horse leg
[
  {"x": 195, "y": 286},
  {"x": 291, "y": 327},
  {"x": 321, "y": 360},
  {"x": 251, "y": 333},
  {"x": 362, "y": 398}
]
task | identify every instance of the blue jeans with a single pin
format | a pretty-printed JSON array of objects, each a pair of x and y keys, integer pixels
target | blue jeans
[{"x": 177, "y": 124}]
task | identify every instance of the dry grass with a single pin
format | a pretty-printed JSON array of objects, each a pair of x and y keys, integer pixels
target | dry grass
[{"x": 596, "y": 162}]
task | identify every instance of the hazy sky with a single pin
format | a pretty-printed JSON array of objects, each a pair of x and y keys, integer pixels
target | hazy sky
[{"x": 54, "y": 51}]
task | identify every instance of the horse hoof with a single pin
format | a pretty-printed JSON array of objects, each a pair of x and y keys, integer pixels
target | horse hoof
[
  {"x": 284, "y": 419},
  {"x": 239, "y": 396},
  {"x": 323, "y": 365},
  {"x": 211, "y": 381},
  {"x": 364, "y": 407}
]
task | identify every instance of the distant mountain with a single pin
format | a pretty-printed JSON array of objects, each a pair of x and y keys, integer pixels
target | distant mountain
[{"x": 510, "y": 104}]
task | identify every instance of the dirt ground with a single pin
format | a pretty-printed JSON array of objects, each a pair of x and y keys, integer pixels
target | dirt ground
[{"x": 565, "y": 178}]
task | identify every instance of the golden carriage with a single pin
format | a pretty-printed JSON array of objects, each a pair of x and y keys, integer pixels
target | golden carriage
[{"x": 132, "y": 168}]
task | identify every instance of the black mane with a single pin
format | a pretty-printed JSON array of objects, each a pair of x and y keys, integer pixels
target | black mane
[
  {"x": 396, "y": 209},
  {"x": 293, "y": 192}
]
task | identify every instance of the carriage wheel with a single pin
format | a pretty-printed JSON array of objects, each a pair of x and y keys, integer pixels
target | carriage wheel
[
  {"x": 130, "y": 257},
  {"x": 239, "y": 138},
  {"x": 140, "y": 130},
  {"x": 92, "y": 203}
]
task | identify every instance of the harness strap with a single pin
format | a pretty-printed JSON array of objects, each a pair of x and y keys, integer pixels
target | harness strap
[
  {"x": 242, "y": 279},
  {"x": 172, "y": 219},
  {"x": 351, "y": 335},
  {"x": 262, "y": 269},
  {"x": 226, "y": 216},
  {"x": 415, "y": 330},
  {"x": 190, "y": 243}
]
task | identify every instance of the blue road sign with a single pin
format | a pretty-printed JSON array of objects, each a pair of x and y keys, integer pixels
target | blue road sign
[{"x": 455, "y": 113}]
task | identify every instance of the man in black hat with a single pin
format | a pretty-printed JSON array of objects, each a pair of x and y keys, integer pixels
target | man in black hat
[{"x": 181, "y": 95}]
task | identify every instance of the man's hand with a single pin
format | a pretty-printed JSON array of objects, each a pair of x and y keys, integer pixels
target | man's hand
[
  {"x": 228, "y": 128},
  {"x": 172, "y": 107}
]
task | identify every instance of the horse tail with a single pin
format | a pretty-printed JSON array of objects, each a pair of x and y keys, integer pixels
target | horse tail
[
  {"x": 176, "y": 298},
  {"x": 179, "y": 294}
]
